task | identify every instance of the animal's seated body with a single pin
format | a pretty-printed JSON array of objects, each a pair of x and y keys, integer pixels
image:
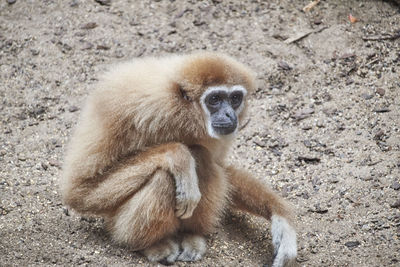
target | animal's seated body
[{"x": 149, "y": 155}]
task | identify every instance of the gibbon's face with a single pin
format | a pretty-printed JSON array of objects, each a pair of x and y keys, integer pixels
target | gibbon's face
[{"x": 222, "y": 106}]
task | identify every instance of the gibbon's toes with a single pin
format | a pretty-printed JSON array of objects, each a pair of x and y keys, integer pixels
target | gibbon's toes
[
  {"x": 165, "y": 252},
  {"x": 194, "y": 247},
  {"x": 284, "y": 241}
]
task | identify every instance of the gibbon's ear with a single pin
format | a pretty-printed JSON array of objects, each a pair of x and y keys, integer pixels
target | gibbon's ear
[{"x": 181, "y": 92}]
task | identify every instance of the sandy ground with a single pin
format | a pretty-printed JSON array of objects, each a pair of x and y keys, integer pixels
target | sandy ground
[{"x": 323, "y": 128}]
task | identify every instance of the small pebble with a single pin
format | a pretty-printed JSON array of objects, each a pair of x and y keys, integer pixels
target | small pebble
[
  {"x": 73, "y": 109},
  {"x": 34, "y": 52},
  {"x": 104, "y": 2},
  {"x": 284, "y": 66},
  {"x": 44, "y": 166},
  {"x": 89, "y": 26},
  {"x": 380, "y": 91},
  {"x": 87, "y": 46},
  {"x": 54, "y": 163},
  {"x": 396, "y": 204},
  {"x": 395, "y": 185},
  {"x": 367, "y": 96},
  {"x": 102, "y": 47},
  {"x": 352, "y": 244}
]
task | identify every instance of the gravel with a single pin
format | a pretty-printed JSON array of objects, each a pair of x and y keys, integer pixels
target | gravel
[{"x": 323, "y": 129}]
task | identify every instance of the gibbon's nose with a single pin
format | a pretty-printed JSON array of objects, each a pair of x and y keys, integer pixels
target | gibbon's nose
[{"x": 225, "y": 124}]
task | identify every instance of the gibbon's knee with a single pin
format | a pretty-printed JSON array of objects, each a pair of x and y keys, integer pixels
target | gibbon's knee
[{"x": 148, "y": 216}]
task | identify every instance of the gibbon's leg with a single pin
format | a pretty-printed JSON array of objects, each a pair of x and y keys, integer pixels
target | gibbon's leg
[
  {"x": 148, "y": 221},
  {"x": 103, "y": 194},
  {"x": 253, "y": 196},
  {"x": 149, "y": 215},
  {"x": 143, "y": 197}
]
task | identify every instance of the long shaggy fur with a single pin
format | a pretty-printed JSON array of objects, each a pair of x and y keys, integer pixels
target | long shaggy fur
[{"x": 138, "y": 132}]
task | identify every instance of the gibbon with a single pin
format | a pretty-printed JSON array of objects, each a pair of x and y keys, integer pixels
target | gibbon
[{"x": 149, "y": 156}]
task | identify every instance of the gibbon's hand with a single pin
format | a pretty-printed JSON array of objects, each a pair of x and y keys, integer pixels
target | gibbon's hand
[
  {"x": 187, "y": 191},
  {"x": 284, "y": 241}
]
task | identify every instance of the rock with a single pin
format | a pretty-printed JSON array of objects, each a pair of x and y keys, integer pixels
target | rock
[
  {"x": 119, "y": 54},
  {"x": 349, "y": 81},
  {"x": 87, "y": 46},
  {"x": 102, "y": 47},
  {"x": 284, "y": 66},
  {"x": 380, "y": 91},
  {"x": 395, "y": 185},
  {"x": 34, "y": 52},
  {"x": 381, "y": 110},
  {"x": 317, "y": 21},
  {"x": 260, "y": 143},
  {"x": 89, "y": 26},
  {"x": 352, "y": 244},
  {"x": 379, "y": 135},
  {"x": 318, "y": 209},
  {"x": 302, "y": 114},
  {"x": 54, "y": 163},
  {"x": 103, "y": 2},
  {"x": 73, "y": 109},
  {"x": 395, "y": 204},
  {"x": 308, "y": 159},
  {"x": 307, "y": 143},
  {"x": 320, "y": 124},
  {"x": 10, "y": 2},
  {"x": 73, "y": 3},
  {"x": 198, "y": 22},
  {"x": 44, "y": 166},
  {"x": 367, "y": 96},
  {"x": 65, "y": 211}
]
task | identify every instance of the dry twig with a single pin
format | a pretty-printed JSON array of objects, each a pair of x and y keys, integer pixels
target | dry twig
[
  {"x": 302, "y": 35},
  {"x": 382, "y": 37},
  {"x": 311, "y": 5}
]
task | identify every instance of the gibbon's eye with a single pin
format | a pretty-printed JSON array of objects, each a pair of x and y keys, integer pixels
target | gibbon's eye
[
  {"x": 214, "y": 100},
  {"x": 236, "y": 99}
]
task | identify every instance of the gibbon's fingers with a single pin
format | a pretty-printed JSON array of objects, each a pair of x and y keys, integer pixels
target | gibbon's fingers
[
  {"x": 187, "y": 191},
  {"x": 253, "y": 196},
  {"x": 284, "y": 241}
]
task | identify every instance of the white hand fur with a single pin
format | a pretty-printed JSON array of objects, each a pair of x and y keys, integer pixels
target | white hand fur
[
  {"x": 284, "y": 241},
  {"x": 187, "y": 191}
]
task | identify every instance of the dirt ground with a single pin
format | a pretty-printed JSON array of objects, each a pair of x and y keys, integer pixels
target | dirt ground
[{"x": 323, "y": 128}]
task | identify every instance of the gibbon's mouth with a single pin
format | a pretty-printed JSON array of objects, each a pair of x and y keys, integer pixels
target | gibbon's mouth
[{"x": 224, "y": 128}]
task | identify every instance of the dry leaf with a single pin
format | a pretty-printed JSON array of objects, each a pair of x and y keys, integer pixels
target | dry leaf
[{"x": 352, "y": 19}]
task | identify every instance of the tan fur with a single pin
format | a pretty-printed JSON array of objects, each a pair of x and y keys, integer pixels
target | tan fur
[{"x": 142, "y": 125}]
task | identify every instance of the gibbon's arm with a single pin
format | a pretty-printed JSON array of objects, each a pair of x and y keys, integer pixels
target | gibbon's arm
[
  {"x": 253, "y": 196},
  {"x": 105, "y": 193}
]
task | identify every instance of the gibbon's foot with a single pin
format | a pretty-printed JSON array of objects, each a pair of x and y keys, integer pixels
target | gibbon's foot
[
  {"x": 165, "y": 252},
  {"x": 193, "y": 248},
  {"x": 187, "y": 192},
  {"x": 284, "y": 241}
]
